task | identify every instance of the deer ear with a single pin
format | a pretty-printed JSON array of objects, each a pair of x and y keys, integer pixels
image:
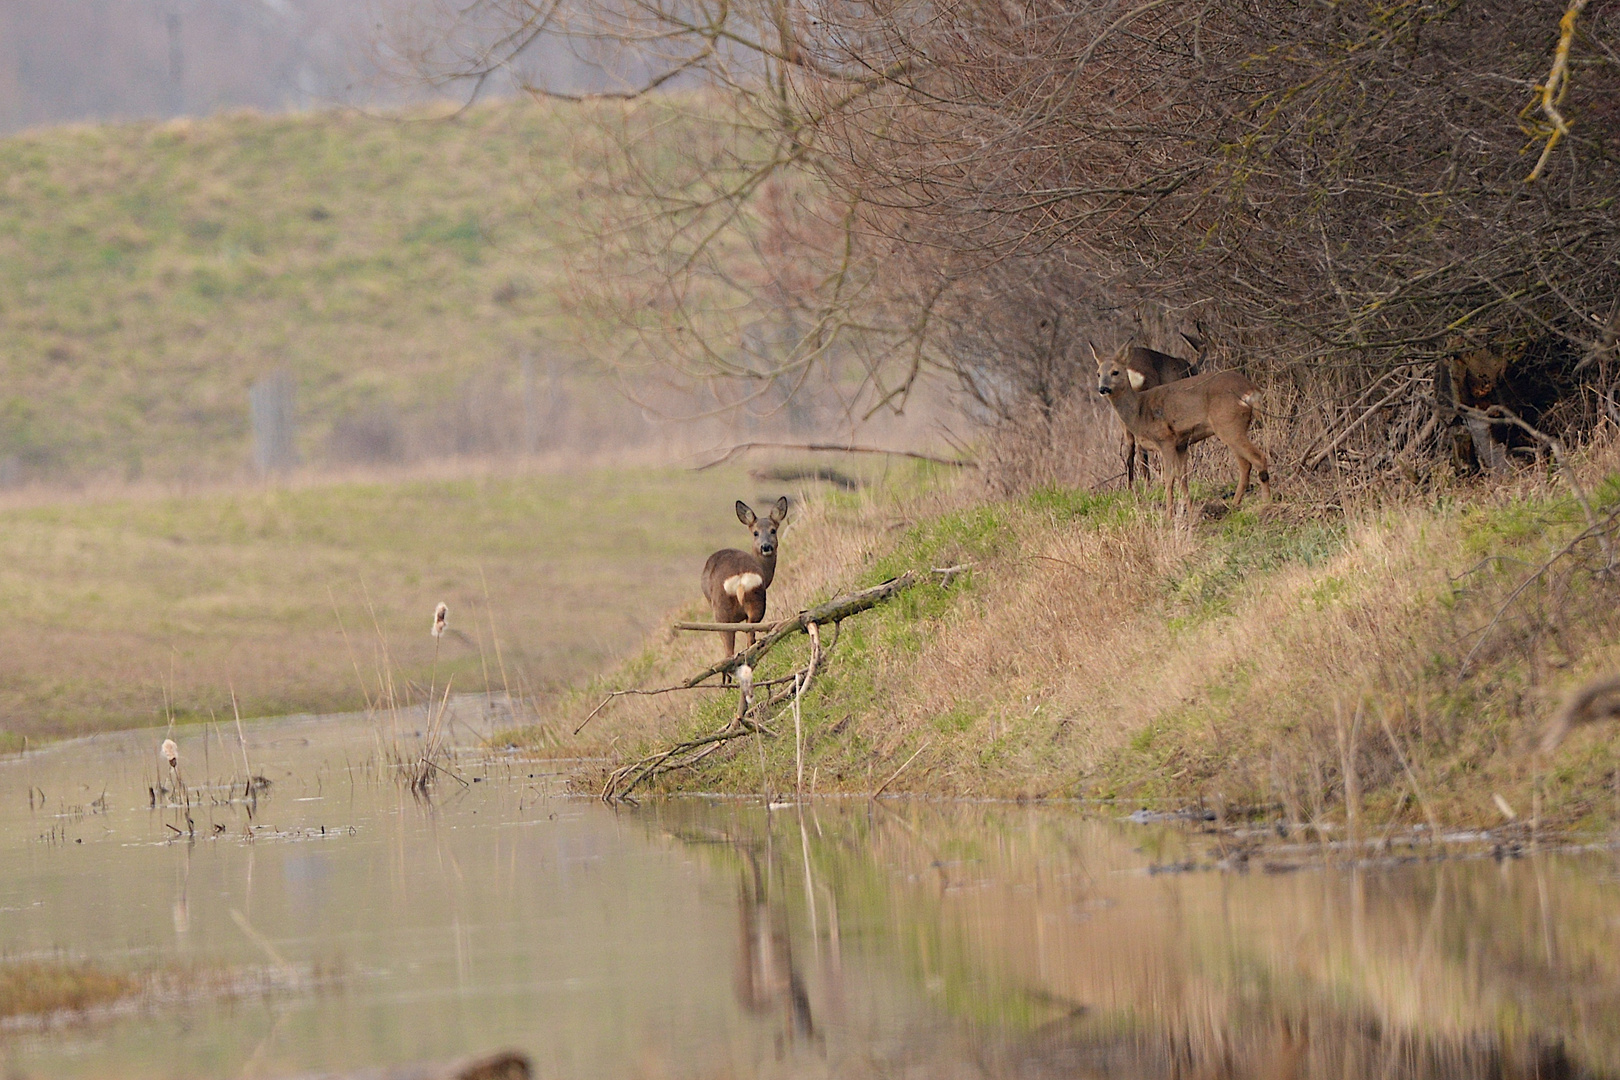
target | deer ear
[
  {"x": 745, "y": 514},
  {"x": 779, "y": 512},
  {"x": 1094, "y": 355}
]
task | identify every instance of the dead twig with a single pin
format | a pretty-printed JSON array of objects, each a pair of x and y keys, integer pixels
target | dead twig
[
  {"x": 884, "y": 786},
  {"x": 1351, "y": 428},
  {"x": 614, "y": 695},
  {"x": 835, "y": 448}
]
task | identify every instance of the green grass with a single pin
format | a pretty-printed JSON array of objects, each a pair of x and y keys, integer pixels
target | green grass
[
  {"x": 1095, "y": 651},
  {"x": 122, "y": 609},
  {"x": 149, "y": 273}
]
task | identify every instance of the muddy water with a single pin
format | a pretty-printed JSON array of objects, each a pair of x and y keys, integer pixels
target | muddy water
[{"x": 361, "y": 926}]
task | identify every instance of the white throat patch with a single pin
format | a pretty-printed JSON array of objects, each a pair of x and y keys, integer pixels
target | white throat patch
[{"x": 1136, "y": 378}]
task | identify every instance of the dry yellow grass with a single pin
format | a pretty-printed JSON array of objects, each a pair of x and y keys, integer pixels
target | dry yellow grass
[
  {"x": 125, "y": 608},
  {"x": 1250, "y": 661}
]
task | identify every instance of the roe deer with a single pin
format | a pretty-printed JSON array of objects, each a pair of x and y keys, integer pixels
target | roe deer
[
  {"x": 1147, "y": 368},
  {"x": 1172, "y": 417},
  {"x": 735, "y": 581}
]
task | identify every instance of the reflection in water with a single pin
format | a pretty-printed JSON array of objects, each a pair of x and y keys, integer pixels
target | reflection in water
[
  {"x": 1044, "y": 950},
  {"x": 767, "y": 981},
  {"x": 707, "y": 939}
]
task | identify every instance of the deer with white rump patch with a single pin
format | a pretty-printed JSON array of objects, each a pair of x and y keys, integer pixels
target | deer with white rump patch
[
  {"x": 735, "y": 581},
  {"x": 1170, "y": 418}
]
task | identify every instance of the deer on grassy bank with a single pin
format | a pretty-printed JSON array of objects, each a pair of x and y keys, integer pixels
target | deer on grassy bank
[
  {"x": 1172, "y": 417},
  {"x": 1149, "y": 368},
  {"x": 735, "y": 581}
]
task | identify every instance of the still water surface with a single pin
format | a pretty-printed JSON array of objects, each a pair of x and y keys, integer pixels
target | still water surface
[{"x": 709, "y": 938}]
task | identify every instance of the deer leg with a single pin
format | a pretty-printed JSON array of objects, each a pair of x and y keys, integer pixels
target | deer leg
[
  {"x": 729, "y": 639},
  {"x": 1182, "y": 474},
  {"x": 753, "y": 611},
  {"x": 1243, "y": 480},
  {"x": 1130, "y": 461},
  {"x": 1246, "y": 450},
  {"x": 1167, "y": 466}
]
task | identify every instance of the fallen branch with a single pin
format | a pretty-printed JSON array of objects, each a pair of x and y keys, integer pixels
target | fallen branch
[
  {"x": 835, "y": 448},
  {"x": 884, "y": 786},
  {"x": 733, "y": 627},
  {"x": 616, "y": 694},
  {"x": 622, "y": 781},
  {"x": 833, "y": 611},
  {"x": 787, "y": 474}
]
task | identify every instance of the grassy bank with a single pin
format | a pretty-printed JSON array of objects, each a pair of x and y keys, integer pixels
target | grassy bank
[
  {"x": 397, "y": 268},
  {"x": 1260, "y": 660},
  {"x": 123, "y": 609}
]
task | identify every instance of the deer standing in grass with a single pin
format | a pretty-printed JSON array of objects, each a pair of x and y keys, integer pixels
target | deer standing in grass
[
  {"x": 735, "y": 581},
  {"x": 1155, "y": 369},
  {"x": 1170, "y": 418}
]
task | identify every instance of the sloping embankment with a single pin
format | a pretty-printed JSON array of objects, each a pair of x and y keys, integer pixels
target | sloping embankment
[{"x": 1396, "y": 660}]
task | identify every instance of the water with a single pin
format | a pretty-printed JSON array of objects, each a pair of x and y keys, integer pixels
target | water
[{"x": 708, "y": 938}]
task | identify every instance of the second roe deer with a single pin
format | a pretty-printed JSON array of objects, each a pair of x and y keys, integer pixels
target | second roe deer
[
  {"x": 1172, "y": 417},
  {"x": 735, "y": 581},
  {"x": 1147, "y": 368}
]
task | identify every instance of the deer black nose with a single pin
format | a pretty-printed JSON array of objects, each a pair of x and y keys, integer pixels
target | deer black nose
[
  {"x": 766, "y": 549},
  {"x": 1103, "y": 390}
]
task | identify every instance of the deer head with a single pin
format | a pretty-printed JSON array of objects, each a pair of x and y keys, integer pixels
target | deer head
[
  {"x": 764, "y": 529},
  {"x": 1112, "y": 374}
]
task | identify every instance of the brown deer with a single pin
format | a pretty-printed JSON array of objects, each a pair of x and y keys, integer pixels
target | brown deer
[
  {"x": 735, "y": 581},
  {"x": 1147, "y": 368},
  {"x": 1172, "y": 417}
]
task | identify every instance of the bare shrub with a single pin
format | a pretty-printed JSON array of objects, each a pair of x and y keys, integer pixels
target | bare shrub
[{"x": 1339, "y": 189}]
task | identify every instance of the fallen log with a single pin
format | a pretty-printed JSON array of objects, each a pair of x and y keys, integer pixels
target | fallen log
[
  {"x": 833, "y": 611},
  {"x": 505, "y": 1065},
  {"x": 621, "y": 782},
  {"x": 733, "y": 627}
]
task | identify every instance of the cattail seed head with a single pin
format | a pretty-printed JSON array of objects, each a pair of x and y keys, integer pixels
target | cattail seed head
[
  {"x": 170, "y": 753},
  {"x": 441, "y": 615}
]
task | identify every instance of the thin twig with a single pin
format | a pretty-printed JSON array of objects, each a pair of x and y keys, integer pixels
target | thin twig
[
  {"x": 616, "y": 694},
  {"x": 898, "y": 771}
]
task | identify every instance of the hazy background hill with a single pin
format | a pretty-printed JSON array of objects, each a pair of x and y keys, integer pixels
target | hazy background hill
[{"x": 71, "y": 60}]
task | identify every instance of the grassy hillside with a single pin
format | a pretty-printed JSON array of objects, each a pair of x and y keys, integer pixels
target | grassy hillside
[
  {"x": 397, "y": 268},
  {"x": 310, "y": 597},
  {"x": 1255, "y": 661}
]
